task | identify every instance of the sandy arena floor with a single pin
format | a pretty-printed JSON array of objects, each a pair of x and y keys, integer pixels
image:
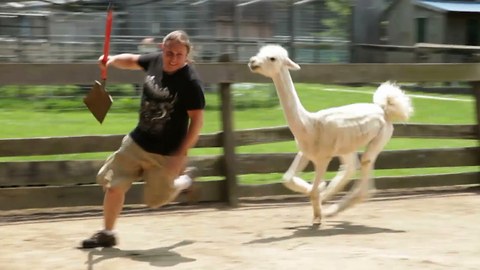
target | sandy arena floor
[{"x": 414, "y": 230}]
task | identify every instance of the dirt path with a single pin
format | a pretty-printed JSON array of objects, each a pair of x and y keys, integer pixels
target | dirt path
[{"x": 435, "y": 230}]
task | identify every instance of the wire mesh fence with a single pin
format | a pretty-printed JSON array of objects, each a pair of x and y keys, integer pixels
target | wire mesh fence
[{"x": 72, "y": 31}]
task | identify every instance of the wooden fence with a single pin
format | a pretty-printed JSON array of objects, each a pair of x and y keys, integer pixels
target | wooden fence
[{"x": 39, "y": 184}]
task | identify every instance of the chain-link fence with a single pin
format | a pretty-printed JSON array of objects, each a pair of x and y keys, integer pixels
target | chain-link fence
[{"x": 72, "y": 31}]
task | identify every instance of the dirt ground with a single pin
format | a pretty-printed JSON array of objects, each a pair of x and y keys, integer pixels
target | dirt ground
[{"x": 411, "y": 230}]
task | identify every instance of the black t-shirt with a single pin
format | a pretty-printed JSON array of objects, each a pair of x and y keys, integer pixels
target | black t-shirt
[{"x": 166, "y": 98}]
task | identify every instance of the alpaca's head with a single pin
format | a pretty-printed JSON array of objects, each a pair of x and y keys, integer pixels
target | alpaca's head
[{"x": 270, "y": 60}]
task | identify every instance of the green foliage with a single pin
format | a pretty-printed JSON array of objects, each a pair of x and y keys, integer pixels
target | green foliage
[
  {"x": 31, "y": 91},
  {"x": 122, "y": 89},
  {"x": 126, "y": 99},
  {"x": 247, "y": 96},
  {"x": 337, "y": 25},
  {"x": 250, "y": 96},
  {"x": 125, "y": 104}
]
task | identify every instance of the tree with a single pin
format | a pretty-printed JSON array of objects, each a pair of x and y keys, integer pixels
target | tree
[{"x": 339, "y": 23}]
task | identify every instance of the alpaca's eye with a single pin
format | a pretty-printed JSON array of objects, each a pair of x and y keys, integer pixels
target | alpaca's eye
[{"x": 272, "y": 59}]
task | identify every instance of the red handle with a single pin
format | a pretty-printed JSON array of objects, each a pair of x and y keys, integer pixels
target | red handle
[{"x": 106, "y": 44}]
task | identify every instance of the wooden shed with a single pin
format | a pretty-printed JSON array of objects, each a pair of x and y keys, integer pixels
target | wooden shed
[{"x": 411, "y": 22}]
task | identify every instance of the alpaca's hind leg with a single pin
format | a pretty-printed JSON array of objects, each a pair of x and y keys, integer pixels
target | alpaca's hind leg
[
  {"x": 367, "y": 187},
  {"x": 347, "y": 170},
  {"x": 363, "y": 188},
  {"x": 291, "y": 181},
  {"x": 358, "y": 192}
]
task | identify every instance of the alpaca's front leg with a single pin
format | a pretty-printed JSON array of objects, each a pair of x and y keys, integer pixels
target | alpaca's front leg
[
  {"x": 315, "y": 196},
  {"x": 291, "y": 181}
]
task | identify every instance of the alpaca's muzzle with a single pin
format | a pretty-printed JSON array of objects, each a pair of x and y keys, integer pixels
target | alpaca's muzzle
[{"x": 252, "y": 65}]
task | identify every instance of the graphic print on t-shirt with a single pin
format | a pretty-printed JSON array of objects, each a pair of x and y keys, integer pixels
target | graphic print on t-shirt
[{"x": 157, "y": 106}]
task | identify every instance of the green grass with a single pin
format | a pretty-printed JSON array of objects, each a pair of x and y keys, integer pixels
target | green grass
[{"x": 256, "y": 106}]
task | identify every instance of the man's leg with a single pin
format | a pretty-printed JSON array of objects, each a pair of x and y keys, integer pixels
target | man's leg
[
  {"x": 162, "y": 182},
  {"x": 116, "y": 177},
  {"x": 112, "y": 206}
]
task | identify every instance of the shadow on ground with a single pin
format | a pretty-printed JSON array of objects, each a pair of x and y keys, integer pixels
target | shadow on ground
[
  {"x": 160, "y": 257},
  {"x": 331, "y": 229}
]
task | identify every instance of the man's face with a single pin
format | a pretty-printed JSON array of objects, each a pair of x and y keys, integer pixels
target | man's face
[{"x": 174, "y": 56}]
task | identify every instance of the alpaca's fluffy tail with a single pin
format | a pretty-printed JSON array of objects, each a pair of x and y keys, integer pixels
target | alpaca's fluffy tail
[{"x": 396, "y": 104}]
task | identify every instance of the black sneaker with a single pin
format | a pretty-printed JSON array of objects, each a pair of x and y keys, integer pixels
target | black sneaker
[
  {"x": 100, "y": 239},
  {"x": 193, "y": 191}
]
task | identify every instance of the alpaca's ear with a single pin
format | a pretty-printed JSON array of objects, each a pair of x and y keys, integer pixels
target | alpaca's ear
[{"x": 292, "y": 65}]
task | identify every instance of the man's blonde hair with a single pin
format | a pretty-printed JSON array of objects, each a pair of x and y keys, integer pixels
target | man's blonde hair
[{"x": 181, "y": 37}]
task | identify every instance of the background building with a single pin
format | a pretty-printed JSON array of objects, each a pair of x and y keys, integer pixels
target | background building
[{"x": 416, "y": 30}]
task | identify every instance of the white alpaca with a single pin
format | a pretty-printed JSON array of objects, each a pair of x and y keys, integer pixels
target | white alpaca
[{"x": 339, "y": 131}]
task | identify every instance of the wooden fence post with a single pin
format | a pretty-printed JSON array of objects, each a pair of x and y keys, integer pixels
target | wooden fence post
[
  {"x": 228, "y": 141},
  {"x": 476, "y": 94}
]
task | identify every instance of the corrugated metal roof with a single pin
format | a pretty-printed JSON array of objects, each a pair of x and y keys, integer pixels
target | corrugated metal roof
[{"x": 451, "y": 6}]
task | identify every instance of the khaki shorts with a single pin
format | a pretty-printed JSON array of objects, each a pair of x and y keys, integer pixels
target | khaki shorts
[{"x": 131, "y": 163}]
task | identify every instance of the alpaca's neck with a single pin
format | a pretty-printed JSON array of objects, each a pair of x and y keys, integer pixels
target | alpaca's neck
[{"x": 294, "y": 112}]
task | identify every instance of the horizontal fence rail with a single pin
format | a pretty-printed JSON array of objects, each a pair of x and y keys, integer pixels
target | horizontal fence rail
[
  {"x": 212, "y": 191},
  {"x": 107, "y": 143},
  {"x": 74, "y": 172}
]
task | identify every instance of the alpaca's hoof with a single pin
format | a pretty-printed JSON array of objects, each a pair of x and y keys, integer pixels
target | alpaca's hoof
[
  {"x": 317, "y": 221},
  {"x": 331, "y": 211}
]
